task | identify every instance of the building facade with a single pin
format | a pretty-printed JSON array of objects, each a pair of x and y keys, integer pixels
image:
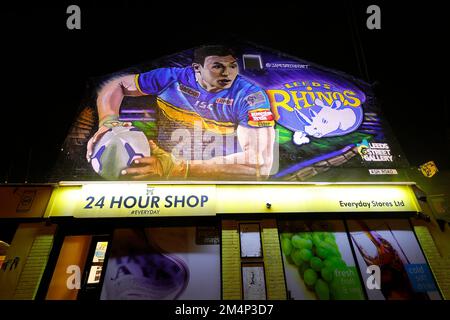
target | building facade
[{"x": 267, "y": 178}]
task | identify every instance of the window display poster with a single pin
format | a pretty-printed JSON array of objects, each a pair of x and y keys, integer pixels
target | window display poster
[
  {"x": 162, "y": 263},
  {"x": 253, "y": 282},
  {"x": 391, "y": 246},
  {"x": 318, "y": 261},
  {"x": 250, "y": 240}
]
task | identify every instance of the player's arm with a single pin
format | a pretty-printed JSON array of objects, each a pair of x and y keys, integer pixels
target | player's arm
[
  {"x": 152, "y": 82},
  {"x": 109, "y": 99},
  {"x": 254, "y": 162},
  {"x": 111, "y": 95}
]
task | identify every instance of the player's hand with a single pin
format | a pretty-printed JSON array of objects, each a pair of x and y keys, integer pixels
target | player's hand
[
  {"x": 99, "y": 134},
  {"x": 145, "y": 168},
  {"x": 93, "y": 140},
  {"x": 160, "y": 164}
]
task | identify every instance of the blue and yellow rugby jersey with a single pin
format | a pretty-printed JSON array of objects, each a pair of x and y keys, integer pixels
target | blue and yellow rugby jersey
[{"x": 183, "y": 100}]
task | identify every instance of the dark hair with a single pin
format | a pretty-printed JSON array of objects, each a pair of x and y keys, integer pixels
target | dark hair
[{"x": 212, "y": 50}]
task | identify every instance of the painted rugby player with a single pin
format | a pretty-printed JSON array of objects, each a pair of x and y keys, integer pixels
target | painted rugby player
[{"x": 210, "y": 92}]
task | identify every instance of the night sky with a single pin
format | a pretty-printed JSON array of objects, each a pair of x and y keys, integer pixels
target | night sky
[{"x": 46, "y": 66}]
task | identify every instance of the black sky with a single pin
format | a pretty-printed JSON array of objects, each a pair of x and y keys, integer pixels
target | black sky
[{"x": 46, "y": 66}]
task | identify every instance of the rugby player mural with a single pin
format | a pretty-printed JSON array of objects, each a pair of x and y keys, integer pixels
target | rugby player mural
[{"x": 236, "y": 112}]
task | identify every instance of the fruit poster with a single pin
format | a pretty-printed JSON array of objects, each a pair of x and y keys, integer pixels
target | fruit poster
[
  {"x": 165, "y": 263},
  {"x": 391, "y": 248},
  {"x": 318, "y": 261}
]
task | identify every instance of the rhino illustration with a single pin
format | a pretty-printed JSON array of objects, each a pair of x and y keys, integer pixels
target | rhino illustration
[{"x": 324, "y": 122}]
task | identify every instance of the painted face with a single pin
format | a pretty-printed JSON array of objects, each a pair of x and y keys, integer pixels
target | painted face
[{"x": 217, "y": 73}]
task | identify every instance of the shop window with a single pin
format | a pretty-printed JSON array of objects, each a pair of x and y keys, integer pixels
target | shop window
[
  {"x": 98, "y": 259},
  {"x": 253, "y": 281},
  {"x": 318, "y": 261},
  {"x": 163, "y": 263},
  {"x": 390, "y": 247},
  {"x": 250, "y": 240},
  {"x": 7, "y": 231},
  {"x": 93, "y": 270},
  {"x": 252, "y": 262},
  {"x": 3, "y": 249},
  {"x": 66, "y": 280}
]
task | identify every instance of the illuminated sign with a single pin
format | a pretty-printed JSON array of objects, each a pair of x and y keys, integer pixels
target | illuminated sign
[
  {"x": 142, "y": 200},
  {"x": 429, "y": 169},
  {"x": 133, "y": 200},
  {"x": 318, "y": 198}
]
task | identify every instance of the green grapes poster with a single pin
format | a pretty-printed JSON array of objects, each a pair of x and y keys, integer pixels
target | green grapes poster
[{"x": 318, "y": 261}]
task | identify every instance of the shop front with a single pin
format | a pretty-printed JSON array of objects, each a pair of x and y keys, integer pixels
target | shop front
[{"x": 226, "y": 241}]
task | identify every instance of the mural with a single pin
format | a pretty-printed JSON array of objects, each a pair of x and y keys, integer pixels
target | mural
[{"x": 234, "y": 112}]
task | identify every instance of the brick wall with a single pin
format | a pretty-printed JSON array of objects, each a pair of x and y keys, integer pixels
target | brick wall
[
  {"x": 34, "y": 266},
  {"x": 231, "y": 261},
  {"x": 439, "y": 264},
  {"x": 273, "y": 265}
]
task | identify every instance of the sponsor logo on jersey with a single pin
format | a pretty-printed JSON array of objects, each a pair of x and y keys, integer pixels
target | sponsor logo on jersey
[
  {"x": 260, "y": 118},
  {"x": 260, "y": 115},
  {"x": 189, "y": 91},
  {"x": 255, "y": 98},
  {"x": 225, "y": 101}
]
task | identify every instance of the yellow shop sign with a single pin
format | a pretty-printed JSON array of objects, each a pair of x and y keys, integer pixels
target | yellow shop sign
[
  {"x": 143, "y": 200},
  {"x": 133, "y": 200}
]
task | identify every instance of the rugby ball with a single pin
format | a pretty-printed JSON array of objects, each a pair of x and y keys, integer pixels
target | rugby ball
[{"x": 117, "y": 149}]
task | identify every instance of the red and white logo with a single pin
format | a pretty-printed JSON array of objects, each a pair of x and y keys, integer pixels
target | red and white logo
[{"x": 260, "y": 115}]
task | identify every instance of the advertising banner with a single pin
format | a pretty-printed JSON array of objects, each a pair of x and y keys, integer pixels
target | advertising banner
[
  {"x": 391, "y": 261},
  {"x": 132, "y": 200},
  {"x": 164, "y": 200},
  {"x": 165, "y": 263},
  {"x": 227, "y": 113},
  {"x": 318, "y": 261}
]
